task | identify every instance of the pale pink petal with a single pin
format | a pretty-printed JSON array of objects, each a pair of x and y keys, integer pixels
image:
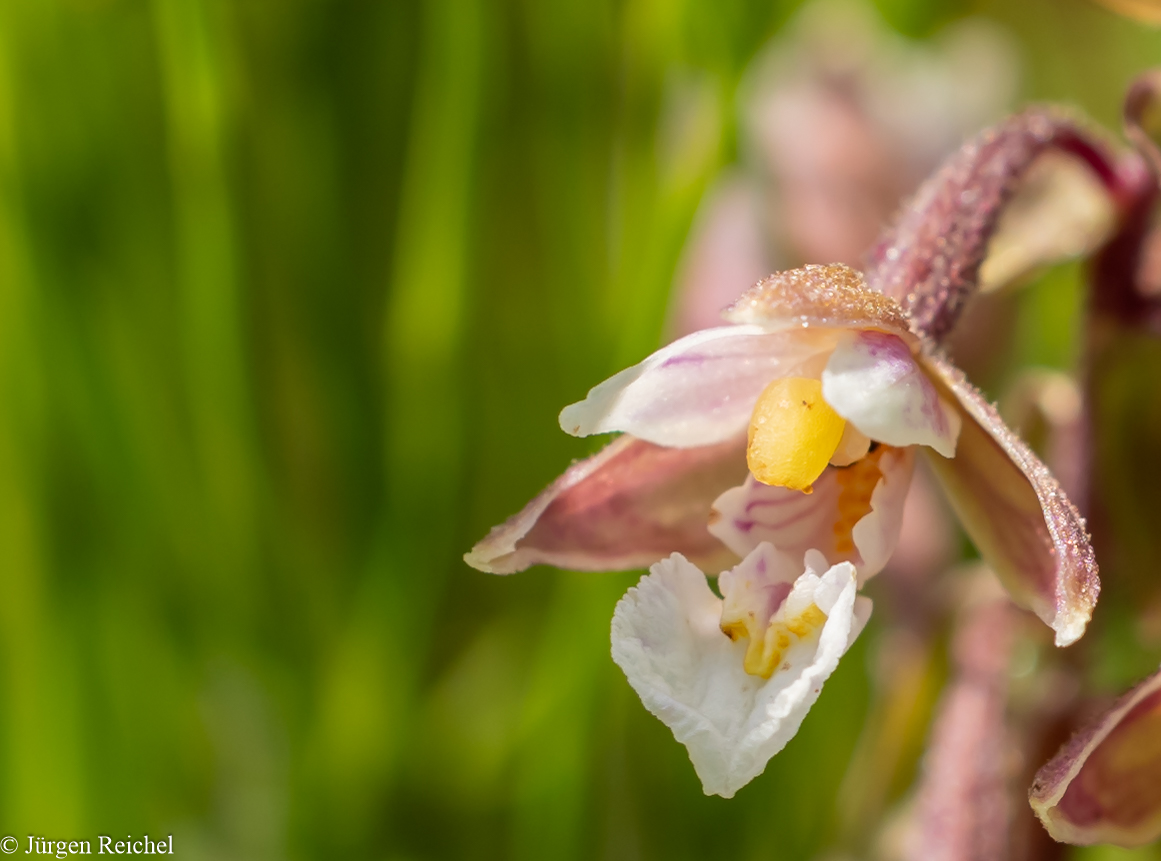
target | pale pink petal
[
  {"x": 625, "y": 507},
  {"x": 872, "y": 381},
  {"x": 877, "y": 533},
  {"x": 1104, "y": 786},
  {"x": 700, "y": 389},
  {"x": 689, "y": 674},
  {"x": 1017, "y": 514},
  {"x": 795, "y": 522},
  {"x": 927, "y": 535}
]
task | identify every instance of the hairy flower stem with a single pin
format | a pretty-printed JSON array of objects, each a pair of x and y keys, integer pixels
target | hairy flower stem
[{"x": 929, "y": 260}]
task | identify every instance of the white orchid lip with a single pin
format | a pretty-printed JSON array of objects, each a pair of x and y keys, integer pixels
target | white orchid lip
[{"x": 667, "y": 638}]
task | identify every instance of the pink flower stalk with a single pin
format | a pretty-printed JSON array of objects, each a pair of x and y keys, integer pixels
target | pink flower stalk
[
  {"x": 964, "y": 807},
  {"x": 786, "y": 440}
]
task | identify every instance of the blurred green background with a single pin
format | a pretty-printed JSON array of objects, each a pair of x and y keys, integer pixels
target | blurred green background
[{"x": 291, "y": 292}]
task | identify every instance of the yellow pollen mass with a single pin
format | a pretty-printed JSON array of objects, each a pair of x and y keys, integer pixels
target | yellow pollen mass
[
  {"x": 793, "y": 434},
  {"x": 764, "y": 653}
]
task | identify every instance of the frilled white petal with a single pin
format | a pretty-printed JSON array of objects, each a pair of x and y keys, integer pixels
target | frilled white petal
[
  {"x": 872, "y": 381},
  {"x": 745, "y": 516},
  {"x": 700, "y": 389},
  {"x": 689, "y": 674}
]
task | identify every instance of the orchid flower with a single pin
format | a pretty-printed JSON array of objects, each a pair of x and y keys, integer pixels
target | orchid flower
[
  {"x": 819, "y": 394},
  {"x": 786, "y": 439}
]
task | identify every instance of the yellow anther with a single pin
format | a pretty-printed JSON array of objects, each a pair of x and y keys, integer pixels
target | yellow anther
[
  {"x": 735, "y": 629},
  {"x": 793, "y": 434},
  {"x": 764, "y": 653}
]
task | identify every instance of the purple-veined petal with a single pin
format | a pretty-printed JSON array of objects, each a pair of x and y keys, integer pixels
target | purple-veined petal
[
  {"x": 1017, "y": 514},
  {"x": 794, "y": 522},
  {"x": 1104, "y": 786},
  {"x": 872, "y": 381},
  {"x": 667, "y": 640},
  {"x": 625, "y": 507},
  {"x": 831, "y": 296},
  {"x": 700, "y": 389}
]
